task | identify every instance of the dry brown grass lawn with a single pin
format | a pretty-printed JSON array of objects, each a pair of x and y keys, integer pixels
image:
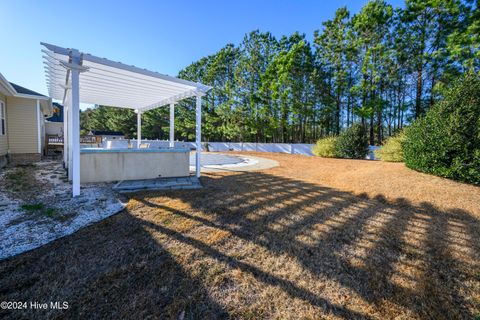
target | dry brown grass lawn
[{"x": 311, "y": 239}]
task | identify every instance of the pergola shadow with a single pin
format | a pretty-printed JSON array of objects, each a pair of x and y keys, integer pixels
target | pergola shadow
[
  {"x": 385, "y": 253},
  {"x": 112, "y": 270},
  {"x": 310, "y": 247}
]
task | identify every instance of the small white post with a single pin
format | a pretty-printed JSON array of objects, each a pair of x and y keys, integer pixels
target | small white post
[
  {"x": 139, "y": 128},
  {"x": 75, "y": 103},
  {"x": 172, "y": 125},
  {"x": 198, "y": 135}
]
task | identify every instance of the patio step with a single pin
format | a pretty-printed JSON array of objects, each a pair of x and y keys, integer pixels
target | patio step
[{"x": 158, "y": 184}]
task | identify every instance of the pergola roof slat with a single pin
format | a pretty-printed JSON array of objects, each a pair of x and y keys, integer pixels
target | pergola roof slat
[
  {"x": 113, "y": 83},
  {"x": 100, "y": 81},
  {"x": 92, "y": 86},
  {"x": 136, "y": 70},
  {"x": 120, "y": 74}
]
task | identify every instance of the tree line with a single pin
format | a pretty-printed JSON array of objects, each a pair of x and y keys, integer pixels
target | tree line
[{"x": 382, "y": 67}]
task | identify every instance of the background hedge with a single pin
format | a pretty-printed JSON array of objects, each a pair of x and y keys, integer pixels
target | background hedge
[
  {"x": 352, "y": 143},
  {"x": 325, "y": 147},
  {"x": 446, "y": 141},
  {"x": 391, "y": 151}
]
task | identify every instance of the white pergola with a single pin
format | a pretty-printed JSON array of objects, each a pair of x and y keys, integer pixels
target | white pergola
[{"x": 111, "y": 83}]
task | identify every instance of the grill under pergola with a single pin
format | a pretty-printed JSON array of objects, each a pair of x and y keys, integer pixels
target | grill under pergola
[{"x": 75, "y": 77}]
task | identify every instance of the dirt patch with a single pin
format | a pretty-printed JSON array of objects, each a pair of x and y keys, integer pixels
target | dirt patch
[
  {"x": 20, "y": 183},
  {"x": 278, "y": 244}
]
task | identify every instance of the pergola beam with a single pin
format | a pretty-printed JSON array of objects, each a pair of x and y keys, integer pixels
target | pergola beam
[{"x": 174, "y": 99}]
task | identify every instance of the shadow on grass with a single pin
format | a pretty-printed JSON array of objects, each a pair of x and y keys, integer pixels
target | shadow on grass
[
  {"x": 392, "y": 257},
  {"x": 112, "y": 270},
  {"x": 415, "y": 257}
]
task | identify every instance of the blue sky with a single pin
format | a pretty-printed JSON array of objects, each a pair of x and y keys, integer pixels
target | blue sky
[{"x": 162, "y": 36}]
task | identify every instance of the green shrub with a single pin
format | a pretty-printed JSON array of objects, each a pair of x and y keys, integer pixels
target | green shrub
[
  {"x": 353, "y": 142},
  {"x": 391, "y": 151},
  {"x": 446, "y": 141},
  {"x": 325, "y": 147}
]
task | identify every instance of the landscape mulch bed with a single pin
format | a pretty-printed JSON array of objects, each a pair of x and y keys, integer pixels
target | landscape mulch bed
[{"x": 313, "y": 238}]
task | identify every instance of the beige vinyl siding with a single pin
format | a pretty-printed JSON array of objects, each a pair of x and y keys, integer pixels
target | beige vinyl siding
[
  {"x": 55, "y": 128},
  {"x": 22, "y": 125},
  {"x": 4, "y": 138}
]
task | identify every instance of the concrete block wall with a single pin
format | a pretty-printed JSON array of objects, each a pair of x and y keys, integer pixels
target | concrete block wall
[
  {"x": 3, "y": 161},
  {"x": 24, "y": 158}
]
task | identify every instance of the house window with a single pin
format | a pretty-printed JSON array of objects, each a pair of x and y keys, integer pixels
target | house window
[{"x": 3, "y": 129}]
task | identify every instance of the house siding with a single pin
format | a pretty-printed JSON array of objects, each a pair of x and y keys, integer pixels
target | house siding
[
  {"x": 22, "y": 125},
  {"x": 4, "y": 138},
  {"x": 55, "y": 128}
]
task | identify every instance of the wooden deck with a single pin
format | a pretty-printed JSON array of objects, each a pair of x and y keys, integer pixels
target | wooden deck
[{"x": 54, "y": 143}]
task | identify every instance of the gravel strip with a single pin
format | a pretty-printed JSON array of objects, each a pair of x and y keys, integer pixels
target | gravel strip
[{"x": 23, "y": 230}]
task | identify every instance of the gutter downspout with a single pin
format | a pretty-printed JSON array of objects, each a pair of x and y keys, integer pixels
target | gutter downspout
[{"x": 39, "y": 128}]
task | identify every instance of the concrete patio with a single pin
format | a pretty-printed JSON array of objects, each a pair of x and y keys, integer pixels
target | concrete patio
[{"x": 191, "y": 182}]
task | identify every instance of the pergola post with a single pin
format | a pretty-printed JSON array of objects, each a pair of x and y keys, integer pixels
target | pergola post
[
  {"x": 65, "y": 132},
  {"x": 75, "y": 106},
  {"x": 198, "y": 135},
  {"x": 139, "y": 128},
  {"x": 70, "y": 141},
  {"x": 172, "y": 125}
]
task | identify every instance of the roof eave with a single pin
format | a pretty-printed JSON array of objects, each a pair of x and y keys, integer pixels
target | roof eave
[
  {"x": 31, "y": 96},
  {"x": 7, "y": 85}
]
